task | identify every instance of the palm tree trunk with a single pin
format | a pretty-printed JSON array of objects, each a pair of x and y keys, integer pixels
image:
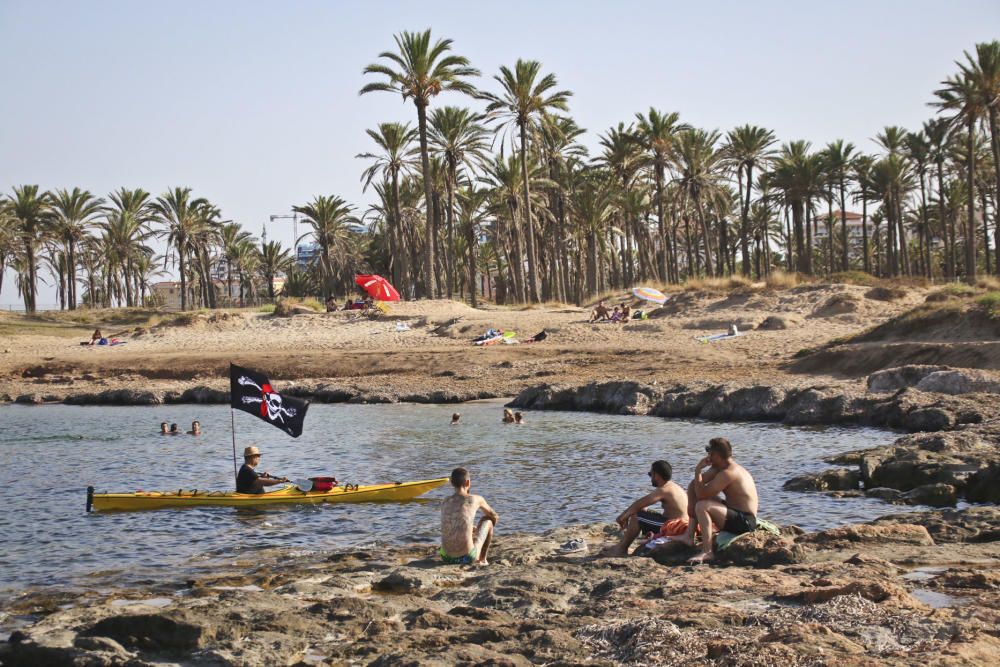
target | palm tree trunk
[
  {"x": 664, "y": 244},
  {"x": 180, "y": 254},
  {"x": 864, "y": 232},
  {"x": 705, "y": 234},
  {"x": 430, "y": 286},
  {"x": 970, "y": 224},
  {"x": 845, "y": 259},
  {"x": 949, "y": 269},
  {"x": 986, "y": 229},
  {"x": 450, "y": 221},
  {"x": 745, "y": 217},
  {"x": 529, "y": 225}
]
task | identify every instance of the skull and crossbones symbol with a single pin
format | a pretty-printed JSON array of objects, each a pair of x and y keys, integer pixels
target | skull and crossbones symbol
[{"x": 271, "y": 406}]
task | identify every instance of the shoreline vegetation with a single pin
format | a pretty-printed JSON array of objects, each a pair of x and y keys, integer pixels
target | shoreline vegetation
[{"x": 735, "y": 229}]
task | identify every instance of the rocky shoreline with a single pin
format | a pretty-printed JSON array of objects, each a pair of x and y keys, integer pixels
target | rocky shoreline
[
  {"x": 952, "y": 416},
  {"x": 919, "y": 589}
]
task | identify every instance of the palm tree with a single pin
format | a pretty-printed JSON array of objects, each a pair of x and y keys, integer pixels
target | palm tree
[
  {"x": 960, "y": 95},
  {"x": 747, "y": 147},
  {"x": 918, "y": 150},
  {"x": 273, "y": 260},
  {"x": 938, "y": 132},
  {"x": 394, "y": 159},
  {"x": 421, "y": 72},
  {"x": 861, "y": 168},
  {"x": 794, "y": 174},
  {"x": 838, "y": 155},
  {"x": 127, "y": 226},
  {"x": 8, "y": 238},
  {"x": 332, "y": 223},
  {"x": 471, "y": 215},
  {"x": 183, "y": 218},
  {"x": 525, "y": 96},
  {"x": 73, "y": 213},
  {"x": 698, "y": 163},
  {"x": 233, "y": 240},
  {"x": 31, "y": 212},
  {"x": 458, "y": 137},
  {"x": 656, "y": 133}
]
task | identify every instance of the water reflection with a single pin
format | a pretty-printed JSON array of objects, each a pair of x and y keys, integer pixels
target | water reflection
[{"x": 558, "y": 468}]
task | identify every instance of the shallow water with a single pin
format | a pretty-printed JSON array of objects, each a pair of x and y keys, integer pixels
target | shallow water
[{"x": 559, "y": 468}]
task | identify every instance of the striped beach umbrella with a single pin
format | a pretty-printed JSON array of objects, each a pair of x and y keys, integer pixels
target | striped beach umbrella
[{"x": 649, "y": 294}]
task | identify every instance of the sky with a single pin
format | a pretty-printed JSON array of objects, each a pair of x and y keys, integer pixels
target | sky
[{"x": 255, "y": 105}]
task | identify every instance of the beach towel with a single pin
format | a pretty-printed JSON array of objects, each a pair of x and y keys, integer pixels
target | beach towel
[
  {"x": 724, "y": 540},
  {"x": 402, "y": 326},
  {"x": 717, "y": 337}
]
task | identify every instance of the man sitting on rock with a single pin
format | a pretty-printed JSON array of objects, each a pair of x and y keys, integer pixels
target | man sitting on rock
[
  {"x": 637, "y": 519},
  {"x": 736, "y": 512},
  {"x": 461, "y": 543}
]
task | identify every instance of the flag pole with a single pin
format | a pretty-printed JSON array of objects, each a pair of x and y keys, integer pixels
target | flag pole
[{"x": 232, "y": 418}]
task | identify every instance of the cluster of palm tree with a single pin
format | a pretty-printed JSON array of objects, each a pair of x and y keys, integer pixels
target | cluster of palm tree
[
  {"x": 105, "y": 245},
  {"x": 501, "y": 199},
  {"x": 510, "y": 191}
]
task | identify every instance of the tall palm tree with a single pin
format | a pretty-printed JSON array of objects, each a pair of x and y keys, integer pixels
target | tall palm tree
[
  {"x": 332, "y": 221},
  {"x": 471, "y": 215},
  {"x": 394, "y": 160},
  {"x": 838, "y": 155},
  {"x": 961, "y": 96},
  {"x": 656, "y": 132},
  {"x": 273, "y": 260},
  {"x": 233, "y": 239},
  {"x": 699, "y": 163},
  {"x": 938, "y": 132},
  {"x": 794, "y": 174},
  {"x": 861, "y": 168},
  {"x": 459, "y": 138},
  {"x": 746, "y": 147},
  {"x": 8, "y": 238},
  {"x": 918, "y": 150},
  {"x": 420, "y": 71},
  {"x": 73, "y": 214},
  {"x": 183, "y": 219},
  {"x": 127, "y": 226},
  {"x": 31, "y": 212},
  {"x": 526, "y": 96}
]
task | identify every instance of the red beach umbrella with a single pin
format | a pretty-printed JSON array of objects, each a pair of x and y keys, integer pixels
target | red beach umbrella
[{"x": 377, "y": 287}]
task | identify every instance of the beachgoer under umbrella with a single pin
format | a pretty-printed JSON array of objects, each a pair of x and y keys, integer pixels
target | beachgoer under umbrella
[
  {"x": 461, "y": 542},
  {"x": 724, "y": 494},
  {"x": 638, "y": 520},
  {"x": 249, "y": 480}
]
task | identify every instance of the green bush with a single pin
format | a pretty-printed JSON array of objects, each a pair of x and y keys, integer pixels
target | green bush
[
  {"x": 854, "y": 278},
  {"x": 266, "y": 308},
  {"x": 990, "y": 302}
]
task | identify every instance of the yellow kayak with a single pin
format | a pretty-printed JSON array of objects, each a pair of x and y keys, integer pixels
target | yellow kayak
[{"x": 347, "y": 493}]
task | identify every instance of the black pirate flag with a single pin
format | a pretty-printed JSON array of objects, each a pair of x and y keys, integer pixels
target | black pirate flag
[{"x": 252, "y": 392}]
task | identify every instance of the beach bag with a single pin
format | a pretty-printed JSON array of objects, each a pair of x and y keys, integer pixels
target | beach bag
[{"x": 323, "y": 483}]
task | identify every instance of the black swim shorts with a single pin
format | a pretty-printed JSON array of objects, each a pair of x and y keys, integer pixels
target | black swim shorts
[
  {"x": 738, "y": 522},
  {"x": 649, "y": 521}
]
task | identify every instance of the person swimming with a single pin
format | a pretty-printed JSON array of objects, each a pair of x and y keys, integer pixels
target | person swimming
[
  {"x": 174, "y": 430},
  {"x": 164, "y": 429},
  {"x": 508, "y": 416},
  {"x": 454, "y": 418},
  {"x": 518, "y": 418},
  {"x": 195, "y": 428}
]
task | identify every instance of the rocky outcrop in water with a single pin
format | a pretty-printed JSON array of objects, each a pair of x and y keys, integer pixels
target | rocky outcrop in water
[{"x": 841, "y": 596}]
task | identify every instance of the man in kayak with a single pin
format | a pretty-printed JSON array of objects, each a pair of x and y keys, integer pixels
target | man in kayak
[
  {"x": 461, "y": 543},
  {"x": 636, "y": 519},
  {"x": 724, "y": 494},
  {"x": 249, "y": 480}
]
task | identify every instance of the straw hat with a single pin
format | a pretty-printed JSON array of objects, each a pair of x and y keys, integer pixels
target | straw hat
[{"x": 250, "y": 451}]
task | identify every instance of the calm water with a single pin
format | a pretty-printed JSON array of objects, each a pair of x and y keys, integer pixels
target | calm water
[{"x": 558, "y": 468}]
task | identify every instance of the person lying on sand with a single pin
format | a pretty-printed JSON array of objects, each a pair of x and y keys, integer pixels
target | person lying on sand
[
  {"x": 461, "y": 543},
  {"x": 724, "y": 495},
  {"x": 600, "y": 312},
  {"x": 637, "y": 519},
  {"x": 96, "y": 336},
  {"x": 508, "y": 416}
]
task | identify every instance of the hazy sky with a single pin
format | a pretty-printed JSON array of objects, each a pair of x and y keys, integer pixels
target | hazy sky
[{"x": 255, "y": 104}]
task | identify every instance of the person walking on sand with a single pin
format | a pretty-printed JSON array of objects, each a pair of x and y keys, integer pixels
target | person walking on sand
[
  {"x": 638, "y": 520},
  {"x": 461, "y": 543},
  {"x": 724, "y": 495}
]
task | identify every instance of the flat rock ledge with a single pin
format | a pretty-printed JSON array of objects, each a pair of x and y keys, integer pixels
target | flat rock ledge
[
  {"x": 319, "y": 391},
  {"x": 952, "y": 452},
  {"x": 846, "y": 596}
]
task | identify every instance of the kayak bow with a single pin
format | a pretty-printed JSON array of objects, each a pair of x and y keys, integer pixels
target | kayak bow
[{"x": 347, "y": 493}]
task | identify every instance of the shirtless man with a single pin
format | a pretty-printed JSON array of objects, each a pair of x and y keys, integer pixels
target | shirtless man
[
  {"x": 636, "y": 519},
  {"x": 736, "y": 513},
  {"x": 600, "y": 312},
  {"x": 461, "y": 544}
]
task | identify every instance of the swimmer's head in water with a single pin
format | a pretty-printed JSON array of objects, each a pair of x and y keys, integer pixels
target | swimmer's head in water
[
  {"x": 173, "y": 428},
  {"x": 163, "y": 427},
  {"x": 455, "y": 417},
  {"x": 660, "y": 473}
]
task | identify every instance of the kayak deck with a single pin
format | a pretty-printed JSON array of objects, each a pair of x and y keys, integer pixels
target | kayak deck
[{"x": 352, "y": 493}]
